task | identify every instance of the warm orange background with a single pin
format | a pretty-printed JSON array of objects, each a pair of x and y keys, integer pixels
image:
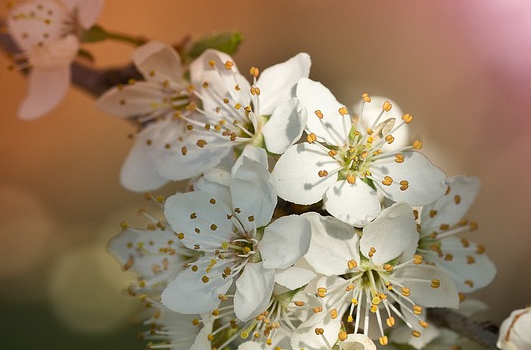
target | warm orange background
[{"x": 462, "y": 68}]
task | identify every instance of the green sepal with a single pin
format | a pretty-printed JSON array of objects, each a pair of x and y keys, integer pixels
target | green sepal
[
  {"x": 227, "y": 42},
  {"x": 86, "y": 54},
  {"x": 94, "y": 34}
]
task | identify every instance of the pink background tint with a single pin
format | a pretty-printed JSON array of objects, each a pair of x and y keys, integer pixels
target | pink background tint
[{"x": 461, "y": 68}]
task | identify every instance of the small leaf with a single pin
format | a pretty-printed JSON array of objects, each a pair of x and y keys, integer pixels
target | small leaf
[
  {"x": 94, "y": 34},
  {"x": 227, "y": 42},
  {"x": 86, "y": 54}
]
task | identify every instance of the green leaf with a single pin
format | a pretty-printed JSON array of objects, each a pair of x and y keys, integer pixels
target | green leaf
[
  {"x": 94, "y": 34},
  {"x": 228, "y": 42},
  {"x": 86, "y": 54}
]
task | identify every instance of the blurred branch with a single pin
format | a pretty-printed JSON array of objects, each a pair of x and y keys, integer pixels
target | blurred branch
[{"x": 483, "y": 333}]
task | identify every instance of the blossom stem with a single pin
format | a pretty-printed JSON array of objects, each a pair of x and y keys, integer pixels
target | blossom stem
[{"x": 136, "y": 41}]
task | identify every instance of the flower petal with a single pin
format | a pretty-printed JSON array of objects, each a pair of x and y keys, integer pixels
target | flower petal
[
  {"x": 296, "y": 174},
  {"x": 425, "y": 182},
  {"x": 201, "y": 218},
  {"x": 355, "y": 204},
  {"x": 46, "y": 88},
  {"x": 252, "y": 192},
  {"x": 188, "y": 294},
  {"x": 452, "y": 207},
  {"x": 277, "y": 83},
  {"x": 304, "y": 337},
  {"x": 418, "y": 278},
  {"x": 294, "y": 277},
  {"x": 87, "y": 11},
  {"x": 333, "y": 244},
  {"x": 332, "y": 128},
  {"x": 284, "y": 127},
  {"x": 257, "y": 154},
  {"x": 392, "y": 233},
  {"x": 357, "y": 342},
  {"x": 158, "y": 62},
  {"x": 285, "y": 241},
  {"x": 253, "y": 291}
]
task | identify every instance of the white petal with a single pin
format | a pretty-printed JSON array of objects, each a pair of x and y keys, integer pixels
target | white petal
[
  {"x": 333, "y": 244},
  {"x": 355, "y": 204},
  {"x": 201, "y": 217},
  {"x": 202, "y": 340},
  {"x": 257, "y": 154},
  {"x": 277, "y": 83},
  {"x": 469, "y": 270},
  {"x": 253, "y": 291},
  {"x": 252, "y": 192},
  {"x": 304, "y": 336},
  {"x": 514, "y": 331},
  {"x": 418, "y": 279},
  {"x": 139, "y": 172},
  {"x": 202, "y": 64},
  {"x": 46, "y": 88},
  {"x": 373, "y": 109},
  {"x": 158, "y": 62},
  {"x": 452, "y": 207},
  {"x": 392, "y": 233},
  {"x": 285, "y": 241},
  {"x": 216, "y": 181},
  {"x": 294, "y": 277},
  {"x": 296, "y": 177},
  {"x": 333, "y": 128},
  {"x": 133, "y": 100},
  {"x": 188, "y": 294},
  {"x": 284, "y": 127},
  {"x": 426, "y": 181},
  {"x": 139, "y": 250},
  {"x": 28, "y": 32},
  {"x": 357, "y": 342},
  {"x": 87, "y": 11}
]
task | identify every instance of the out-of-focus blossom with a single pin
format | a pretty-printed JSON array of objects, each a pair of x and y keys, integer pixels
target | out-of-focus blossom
[
  {"x": 49, "y": 33},
  {"x": 515, "y": 331}
]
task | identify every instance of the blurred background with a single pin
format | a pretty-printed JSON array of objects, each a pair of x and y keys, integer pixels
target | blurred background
[{"x": 461, "y": 68}]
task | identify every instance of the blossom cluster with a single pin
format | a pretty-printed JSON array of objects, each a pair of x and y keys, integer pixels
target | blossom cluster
[{"x": 308, "y": 225}]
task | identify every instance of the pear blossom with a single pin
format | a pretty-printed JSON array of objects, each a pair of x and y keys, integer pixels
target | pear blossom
[
  {"x": 514, "y": 331},
  {"x": 378, "y": 274},
  {"x": 239, "y": 242},
  {"x": 440, "y": 222},
  {"x": 49, "y": 33},
  {"x": 155, "y": 102},
  {"x": 344, "y": 165},
  {"x": 236, "y": 113}
]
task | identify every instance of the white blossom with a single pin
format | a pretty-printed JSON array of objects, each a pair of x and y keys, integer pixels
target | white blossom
[{"x": 514, "y": 331}]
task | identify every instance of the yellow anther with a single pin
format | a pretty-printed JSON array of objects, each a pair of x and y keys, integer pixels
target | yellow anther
[
  {"x": 180, "y": 235},
  {"x": 465, "y": 242},
  {"x": 417, "y": 310},
  {"x": 371, "y": 252},
  {"x": 254, "y": 72},
  {"x": 406, "y": 291},
  {"x": 298, "y": 303},
  {"x": 354, "y": 301},
  {"x": 417, "y": 144},
  {"x": 364, "y": 154},
  {"x": 435, "y": 283},
  {"x": 374, "y": 308},
  {"x": 390, "y": 321},
  {"x": 387, "y": 181},
  {"x": 416, "y": 214},
  {"x": 383, "y": 340},
  {"x": 342, "y": 335},
  {"x": 205, "y": 279},
  {"x": 193, "y": 216},
  {"x": 352, "y": 264},
  {"x": 322, "y": 173},
  {"x": 470, "y": 259},
  {"x": 213, "y": 227},
  {"x": 404, "y": 185},
  {"x": 333, "y": 314},
  {"x": 448, "y": 257},
  {"x": 351, "y": 179},
  {"x": 399, "y": 158},
  {"x": 407, "y": 118},
  {"x": 457, "y": 199},
  {"x": 473, "y": 226},
  {"x": 229, "y": 65},
  {"x": 365, "y": 96},
  {"x": 215, "y": 312},
  {"x": 390, "y": 139},
  {"x": 319, "y": 114},
  {"x": 124, "y": 225},
  {"x": 319, "y": 331},
  {"x": 349, "y": 288},
  {"x": 311, "y": 138},
  {"x": 321, "y": 292},
  {"x": 444, "y": 227},
  {"x": 388, "y": 267},
  {"x": 238, "y": 106},
  {"x": 480, "y": 249},
  {"x": 424, "y": 324},
  {"x": 350, "y": 319},
  {"x": 212, "y": 63},
  {"x": 201, "y": 143},
  {"x": 433, "y": 212},
  {"x": 376, "y": 300},
  {"x": 332, "y": 152},
  {"x": 462, "y": 297},
  {"x": 387, "y": 106},
  {"x": 343, "y": 111},
  {"x": 416, "y": 334}
]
